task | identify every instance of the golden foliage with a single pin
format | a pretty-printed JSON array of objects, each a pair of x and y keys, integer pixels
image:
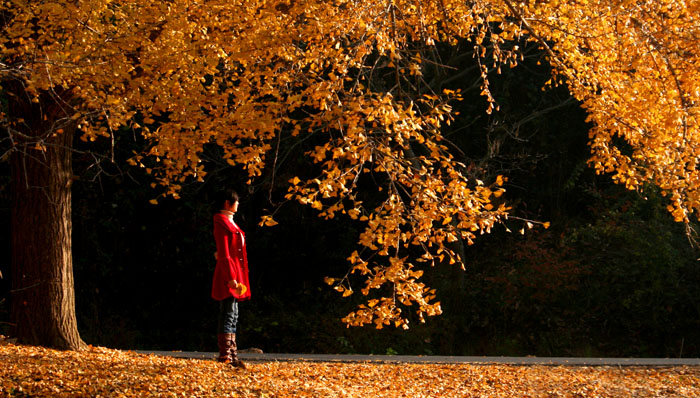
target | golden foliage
[
  {"x": 40, "y": 372},
  {"x": 240, "y": 74},
  {"x": 634, "y": 65}
]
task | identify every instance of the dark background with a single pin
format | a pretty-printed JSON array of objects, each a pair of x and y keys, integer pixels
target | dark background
[{"x": 612, "y": 276}]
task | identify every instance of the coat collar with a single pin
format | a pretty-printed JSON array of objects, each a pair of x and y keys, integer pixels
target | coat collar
[
  {"x": 225, "y": 221},
  {"x": 228, "y": 214}
]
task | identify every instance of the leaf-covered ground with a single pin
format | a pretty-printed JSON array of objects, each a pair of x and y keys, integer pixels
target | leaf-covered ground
[{"x": 99, "y": 372}]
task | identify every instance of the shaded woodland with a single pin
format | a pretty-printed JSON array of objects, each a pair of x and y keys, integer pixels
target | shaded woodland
[{"x": 613, "y": 275}]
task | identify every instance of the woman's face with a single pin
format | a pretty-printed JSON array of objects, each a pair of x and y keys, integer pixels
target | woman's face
[{"x": 232, "y": 207}]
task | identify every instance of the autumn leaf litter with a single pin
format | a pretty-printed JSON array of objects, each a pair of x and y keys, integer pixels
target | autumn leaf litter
[{"x": 27, "y": 371}]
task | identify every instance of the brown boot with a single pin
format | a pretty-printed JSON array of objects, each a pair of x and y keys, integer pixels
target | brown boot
[
  {"x": 235, "y": 362},
  {"x": 224, "y": 340}
]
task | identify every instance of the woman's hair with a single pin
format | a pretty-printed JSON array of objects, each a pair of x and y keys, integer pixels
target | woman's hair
[{"x": 221, "y": 198}]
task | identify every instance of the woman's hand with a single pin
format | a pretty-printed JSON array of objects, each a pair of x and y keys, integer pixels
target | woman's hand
[{"x": 239, "y": 288}]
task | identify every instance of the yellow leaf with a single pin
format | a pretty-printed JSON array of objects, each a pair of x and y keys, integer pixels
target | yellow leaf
[{"x": 267, "y": 221}]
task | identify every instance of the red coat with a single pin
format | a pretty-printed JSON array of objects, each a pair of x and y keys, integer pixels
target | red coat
[{"x": 231, "y": 259}]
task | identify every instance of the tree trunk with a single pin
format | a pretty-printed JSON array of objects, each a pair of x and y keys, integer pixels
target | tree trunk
[{"x": 42, "y": 295}]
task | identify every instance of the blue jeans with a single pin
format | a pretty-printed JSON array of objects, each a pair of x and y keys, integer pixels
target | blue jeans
[{"x": 228, "y": 315}]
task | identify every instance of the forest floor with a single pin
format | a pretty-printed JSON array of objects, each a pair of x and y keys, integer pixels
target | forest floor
[
  {"x": 256, "y": 355},
  {"x": 27, "y": 371}
]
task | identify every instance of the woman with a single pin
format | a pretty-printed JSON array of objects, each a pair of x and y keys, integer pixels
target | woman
[{"x": 230, "y": 284}]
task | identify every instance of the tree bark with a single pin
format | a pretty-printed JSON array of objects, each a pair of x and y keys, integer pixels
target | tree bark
[{"x": 42, "y": 295}]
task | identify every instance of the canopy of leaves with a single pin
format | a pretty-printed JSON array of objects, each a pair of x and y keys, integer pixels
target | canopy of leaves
[
  {"x": 634, "y": 65},
  {"x": 351, "y": 77},
  {"x": 35, "y": 371}
]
